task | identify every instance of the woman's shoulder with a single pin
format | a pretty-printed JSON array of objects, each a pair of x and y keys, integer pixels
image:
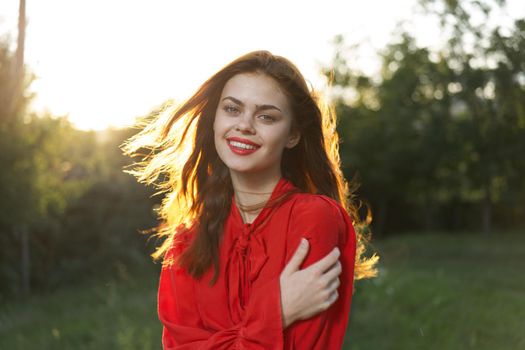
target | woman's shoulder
[
  {"x": 316, "y": 207},
  {"x": 320, "y": 217},
  {"x": 312, "y": 201}
]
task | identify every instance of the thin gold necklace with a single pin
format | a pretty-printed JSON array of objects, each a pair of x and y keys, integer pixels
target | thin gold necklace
[
  {"x": 252, "y": 207},
  {"x": 253, "y": 192}
]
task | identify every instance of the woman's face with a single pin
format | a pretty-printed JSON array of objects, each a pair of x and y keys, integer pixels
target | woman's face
[{"x": 252, "y": 125}]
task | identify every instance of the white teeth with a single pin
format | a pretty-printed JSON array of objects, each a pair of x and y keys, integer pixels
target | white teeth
[{"x": 242, "y": 145}]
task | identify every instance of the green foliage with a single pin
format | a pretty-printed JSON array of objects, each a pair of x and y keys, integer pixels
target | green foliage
[
  {"x": 86, "y": 212},
  {"x": 436, "y": 138},
  {"x": 67, "y": 209}
]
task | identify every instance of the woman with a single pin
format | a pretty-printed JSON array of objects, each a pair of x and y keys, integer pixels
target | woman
[{"x": 250, "y": 167}]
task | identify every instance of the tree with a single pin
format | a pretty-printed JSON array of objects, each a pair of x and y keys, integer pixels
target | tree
[{"x": 437, "y": 133}]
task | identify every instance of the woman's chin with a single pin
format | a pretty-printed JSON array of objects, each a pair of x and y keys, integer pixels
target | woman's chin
[{"x": 243, "y": 170}]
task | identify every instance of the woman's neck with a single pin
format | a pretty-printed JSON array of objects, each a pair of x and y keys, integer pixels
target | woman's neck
[{"x": 252, "y": 190}]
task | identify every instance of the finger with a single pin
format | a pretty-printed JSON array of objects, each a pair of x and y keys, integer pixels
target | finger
[
  {"x": 328, "y": 260},
  {"x": 331, "y": 299},
  {"x": 334, "y": 284},
  {"x": 298, "y": 257},
  {"x": 333, "y": 272}
]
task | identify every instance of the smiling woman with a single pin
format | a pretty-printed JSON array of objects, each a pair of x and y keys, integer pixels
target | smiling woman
[
  {"x": 251, "y": 124},
  {"x": 261, "y": 251}
]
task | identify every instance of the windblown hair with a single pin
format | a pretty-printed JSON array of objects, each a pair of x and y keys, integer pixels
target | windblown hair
[{"x": 183, "y": 163}]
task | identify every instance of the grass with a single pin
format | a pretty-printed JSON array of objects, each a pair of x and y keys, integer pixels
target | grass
[
  {"x": 434, "y": 291},
  {"x": 113, "y": 314},
  {"x": 443, "y": 291}
]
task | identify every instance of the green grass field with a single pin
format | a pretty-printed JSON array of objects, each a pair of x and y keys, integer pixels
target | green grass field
[
  {"x": 443, "y": 291},
  {"x": 115, "y": 314},
  {"x": 434, "y": 291}
]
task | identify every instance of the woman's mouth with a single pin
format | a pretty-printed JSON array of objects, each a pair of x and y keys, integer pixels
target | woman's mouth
[{"x": 242, "y": 147}]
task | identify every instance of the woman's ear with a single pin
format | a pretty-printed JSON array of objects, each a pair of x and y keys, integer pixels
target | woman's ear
[{"x": 293, "y": 139}]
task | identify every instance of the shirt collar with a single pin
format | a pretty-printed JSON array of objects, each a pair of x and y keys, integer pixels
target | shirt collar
[{"x": 282, "y": 187}]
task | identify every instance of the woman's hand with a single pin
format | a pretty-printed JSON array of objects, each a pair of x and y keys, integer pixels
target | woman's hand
[{"x": 307, "y": 292}]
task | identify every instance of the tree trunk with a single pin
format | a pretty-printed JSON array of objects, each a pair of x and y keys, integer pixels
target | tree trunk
[
  {"x": 25, "y": 262},
  {"x": 487, "y": 210},
  {"x": 17, "y": 92},
  {"x": 21, "y": 40},
  {"x": 18, "y": 67}
]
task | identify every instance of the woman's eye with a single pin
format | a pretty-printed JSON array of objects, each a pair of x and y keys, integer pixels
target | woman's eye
[
  {"x": 267, "y": 118},
  {"x": 230, "y": 109}
]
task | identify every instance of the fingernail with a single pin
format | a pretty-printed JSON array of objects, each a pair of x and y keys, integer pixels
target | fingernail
[{"x": 304, "y": 242}]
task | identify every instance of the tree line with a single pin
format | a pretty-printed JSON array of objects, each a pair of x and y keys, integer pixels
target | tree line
[
  {"x": 436, "y": 141},
  {"x": 68, "y": 212}
]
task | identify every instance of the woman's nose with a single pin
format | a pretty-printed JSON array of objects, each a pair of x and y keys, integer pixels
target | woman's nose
[{"x": 244, "y": 124}]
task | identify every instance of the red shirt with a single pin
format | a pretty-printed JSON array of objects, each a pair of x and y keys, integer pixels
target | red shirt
[{"x": 243, "y": 309}]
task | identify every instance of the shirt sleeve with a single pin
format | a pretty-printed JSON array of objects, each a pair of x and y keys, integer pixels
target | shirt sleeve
[
  {"x": 261, "y": 327},
  {"x": 326, "y": 225}
]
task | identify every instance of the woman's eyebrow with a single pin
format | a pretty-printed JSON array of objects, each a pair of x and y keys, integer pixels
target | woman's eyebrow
[{"x": 257, "y": 107}]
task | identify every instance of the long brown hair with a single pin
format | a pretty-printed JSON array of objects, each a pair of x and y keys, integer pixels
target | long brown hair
[{"x": 182, "y": 155}]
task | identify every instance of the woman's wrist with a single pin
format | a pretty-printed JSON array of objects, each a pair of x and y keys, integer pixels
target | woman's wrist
[
  {"x": 288, "y": 319},
  {"x": 286, "y": 322}
]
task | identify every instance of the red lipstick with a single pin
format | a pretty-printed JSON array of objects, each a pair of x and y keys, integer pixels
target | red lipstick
[
  {"x": 246, "y": 141},
  {"x": 237, "y": 148}
]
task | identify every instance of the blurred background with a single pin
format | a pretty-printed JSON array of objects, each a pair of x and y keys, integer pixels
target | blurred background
[{"x": 430, "y": 96}]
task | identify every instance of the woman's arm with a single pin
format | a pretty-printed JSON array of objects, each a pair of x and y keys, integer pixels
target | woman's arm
[
  {"x": 307, "y": 292},
  {"x": 326, "y": 225}
]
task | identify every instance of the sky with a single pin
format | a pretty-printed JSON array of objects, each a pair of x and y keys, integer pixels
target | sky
[{"x": 105, "y": 62}]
